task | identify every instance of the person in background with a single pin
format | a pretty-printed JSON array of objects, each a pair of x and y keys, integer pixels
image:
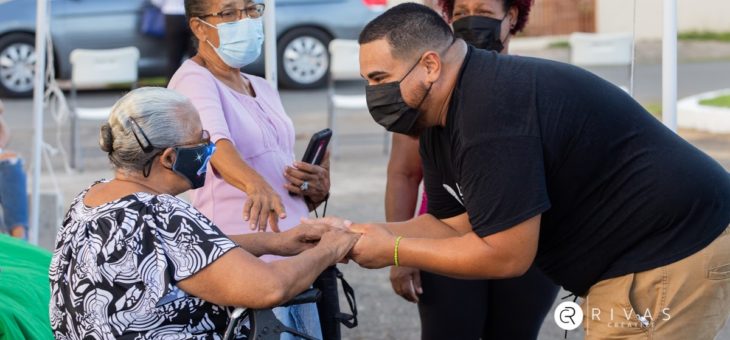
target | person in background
[
  {"x": 254, "y": 183},
  {"x": 474, "y": 308},
  {"x": 132, "y": 261},
  {"x": 13, "y": 190},
  {"x": 178, "y": 39}
]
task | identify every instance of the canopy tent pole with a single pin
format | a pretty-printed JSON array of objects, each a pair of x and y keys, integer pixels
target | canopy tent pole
[
  {"x": 270, "y": 52},
  {"x": 38, "y": 94},
  {"x": 669, "y": 65}
]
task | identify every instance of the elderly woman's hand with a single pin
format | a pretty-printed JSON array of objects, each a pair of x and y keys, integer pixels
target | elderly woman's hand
[
  {"x": 301, "y": 238},
  {"x": 262, "y": 206},
  {"x": 341, "y": 242},
  {"x": 317, "y": 179}
]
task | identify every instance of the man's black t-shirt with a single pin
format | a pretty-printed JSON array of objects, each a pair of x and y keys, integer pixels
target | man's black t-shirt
[{"x": 618, "y": 192}]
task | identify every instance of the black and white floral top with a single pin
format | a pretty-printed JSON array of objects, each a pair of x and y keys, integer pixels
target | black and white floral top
[{"x": 115, "y": 268}]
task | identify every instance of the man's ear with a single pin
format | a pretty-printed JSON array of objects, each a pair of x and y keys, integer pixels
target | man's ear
[
  {"x": 168, "y": 157},
  {"x": 432, "y": 60}
]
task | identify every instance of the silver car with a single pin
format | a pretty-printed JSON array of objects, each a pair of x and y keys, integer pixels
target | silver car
[{"x": 304, "y": 29}]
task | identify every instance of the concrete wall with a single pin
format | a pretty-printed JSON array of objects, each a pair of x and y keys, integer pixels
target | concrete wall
[{"x": 613, "y": 16}]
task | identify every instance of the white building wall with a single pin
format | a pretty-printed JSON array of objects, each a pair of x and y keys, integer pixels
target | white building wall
[{"x": 614, "y": 16}]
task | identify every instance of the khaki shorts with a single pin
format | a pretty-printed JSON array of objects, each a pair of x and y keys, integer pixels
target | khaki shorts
[{"x": 688, "y": 299}]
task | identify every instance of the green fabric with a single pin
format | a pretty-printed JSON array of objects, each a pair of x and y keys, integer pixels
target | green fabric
[{"x": 24, "y": 290}]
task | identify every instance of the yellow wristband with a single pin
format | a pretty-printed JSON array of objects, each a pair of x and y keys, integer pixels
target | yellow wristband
[{"x": 395, "y": 254}]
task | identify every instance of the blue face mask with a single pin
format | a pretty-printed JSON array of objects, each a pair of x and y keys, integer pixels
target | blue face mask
[
  {"x": 192, "y": 163},
  {"x": 239, "y": 41}
]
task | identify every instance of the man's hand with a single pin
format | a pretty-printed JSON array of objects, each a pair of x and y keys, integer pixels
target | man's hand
[
  {"x": 376, "y": 246},
  {"x": 301, "y": 238},
  {"x": 406, "y": 282}
]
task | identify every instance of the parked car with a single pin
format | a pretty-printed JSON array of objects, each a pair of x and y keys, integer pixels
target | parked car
[{"x": 304, "y": 30}]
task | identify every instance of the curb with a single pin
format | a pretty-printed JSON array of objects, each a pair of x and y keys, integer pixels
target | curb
[{"x": 711, "y": 119}]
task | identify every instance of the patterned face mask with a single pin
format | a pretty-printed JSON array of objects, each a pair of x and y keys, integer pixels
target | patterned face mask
[{"x": 192, "y": 163}]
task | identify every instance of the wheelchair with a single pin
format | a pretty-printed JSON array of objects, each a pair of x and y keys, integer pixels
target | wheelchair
[{"x": 263, "y": 324}]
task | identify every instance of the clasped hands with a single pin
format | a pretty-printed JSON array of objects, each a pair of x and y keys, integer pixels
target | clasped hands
[{"x": 374, "y": 245}]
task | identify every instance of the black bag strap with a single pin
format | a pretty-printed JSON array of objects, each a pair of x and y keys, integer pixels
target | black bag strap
[{"x": 349, "y": 320}]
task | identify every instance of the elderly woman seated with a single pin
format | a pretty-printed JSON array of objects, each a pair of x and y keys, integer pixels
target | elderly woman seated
[{"x": 133, "y": 261}]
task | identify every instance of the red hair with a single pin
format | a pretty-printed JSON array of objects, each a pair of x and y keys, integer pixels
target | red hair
[{"x": 523, "y": 9}]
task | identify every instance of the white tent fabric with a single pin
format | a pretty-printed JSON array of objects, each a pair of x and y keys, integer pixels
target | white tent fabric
[
  {"x": 669, "y": 65},
  {"x": 270, "y": 42},
  {"x": 42, "y": 21}
]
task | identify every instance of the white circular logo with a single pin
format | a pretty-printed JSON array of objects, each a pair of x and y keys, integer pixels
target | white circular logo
[{"x": 568, "y": 315}]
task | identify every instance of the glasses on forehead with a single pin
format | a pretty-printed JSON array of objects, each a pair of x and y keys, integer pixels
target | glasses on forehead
[{"x": 252, "y": 11}]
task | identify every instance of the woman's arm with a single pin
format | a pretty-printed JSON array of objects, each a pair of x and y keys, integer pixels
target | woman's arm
[
  {"x": 240, "y": 279},
  {"x": 263, "y": 204},
  {"x": 287, "y": 243},
  {"x": 404, "y": 176}
]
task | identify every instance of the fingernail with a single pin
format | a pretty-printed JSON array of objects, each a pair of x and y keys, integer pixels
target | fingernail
[{"x": 419, "y": 290}]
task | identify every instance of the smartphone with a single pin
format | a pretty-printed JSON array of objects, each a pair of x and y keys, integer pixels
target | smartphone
[{"x": 317, "y": 147}]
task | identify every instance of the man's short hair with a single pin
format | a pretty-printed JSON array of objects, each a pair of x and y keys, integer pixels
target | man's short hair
[{"x": 409, "y": 29}]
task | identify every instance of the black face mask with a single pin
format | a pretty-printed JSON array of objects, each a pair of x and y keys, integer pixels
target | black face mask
[
  {"x": 192, "y": 163},
  {"x": 386, "y": 105},
  {"x": 480, "y": 31}
]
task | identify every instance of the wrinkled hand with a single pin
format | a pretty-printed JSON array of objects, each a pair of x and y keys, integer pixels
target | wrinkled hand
[
  {"x": 332, "y": 221},
  {"x": 376, "y": 246},
  {"x": 263, "y": 206},
  {"x": 317, "y": 176},
  {"x": 341, "y": 242},
  {"x": 406, "y": 282},
  {"x": 301, "y": 238}
]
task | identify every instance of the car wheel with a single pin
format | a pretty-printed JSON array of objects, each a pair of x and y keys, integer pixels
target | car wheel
[
  {"x": 17, "y": 65},
  {"x": 304, "y": 58}
]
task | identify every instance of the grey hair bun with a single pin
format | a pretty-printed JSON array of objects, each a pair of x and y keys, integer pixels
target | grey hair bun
[{"x": 106, "y": 138}]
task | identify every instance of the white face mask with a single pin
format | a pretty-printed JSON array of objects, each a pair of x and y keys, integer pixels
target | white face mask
[{"x": 240, "y": 41}]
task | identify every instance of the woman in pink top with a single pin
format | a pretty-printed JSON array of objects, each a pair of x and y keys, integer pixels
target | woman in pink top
[{"x": 253, "y": 170}]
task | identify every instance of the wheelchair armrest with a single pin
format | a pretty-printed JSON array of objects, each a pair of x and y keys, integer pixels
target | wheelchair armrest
[{"x": 310, "y": 295}]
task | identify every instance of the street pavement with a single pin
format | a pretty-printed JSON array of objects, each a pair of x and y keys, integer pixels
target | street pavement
[{"x": 358, "y": 182}]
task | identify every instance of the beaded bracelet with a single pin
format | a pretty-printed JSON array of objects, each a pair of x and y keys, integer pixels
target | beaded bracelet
[{"x": 395, "y": 254}]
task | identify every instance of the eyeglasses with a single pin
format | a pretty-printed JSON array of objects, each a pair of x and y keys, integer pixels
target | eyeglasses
[
  {"x": 253, "y": 11},
  {"x": 204, "y": 140}
]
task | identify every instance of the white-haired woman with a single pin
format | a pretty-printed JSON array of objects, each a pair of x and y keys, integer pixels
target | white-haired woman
[{"x": 134, "y": 261}]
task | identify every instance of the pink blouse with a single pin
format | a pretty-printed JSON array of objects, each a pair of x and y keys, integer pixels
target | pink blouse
[{"x": 261, "y": 132}]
